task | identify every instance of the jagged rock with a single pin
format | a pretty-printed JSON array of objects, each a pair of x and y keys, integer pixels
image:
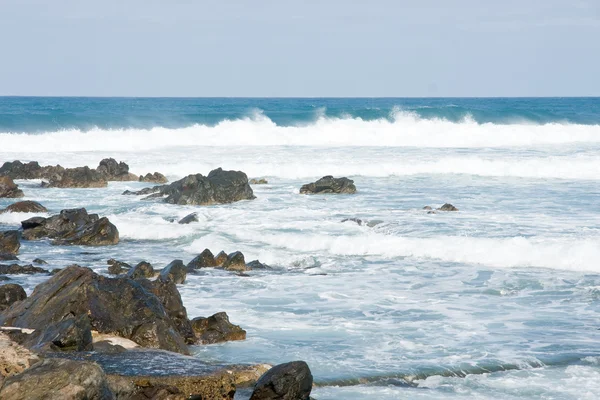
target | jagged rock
[
  {"x": 169, "y": 296},
  {"x": 193, "y": 217},
  {"x": 18, "y": 170},
  {"x": 329, "y": 184},
  {"x": 112, "y": 170},
  {"x": 235, "y": 262},
  {"x": 203, "y": 260},
  {"x": 218, "y": 187},
  {"x": 220, "y": 258},
  {"x": 289, "y": 381},
  {"x": 9, "y": 294},
  {"x": 26, "y": 206},
  {"x": 80, "y": 177},
  {"x": 58, "y": 379},
  {"x": 8, "y": 188},
  {"x": 72, "y": 227},
  {"x": 39, "y": 261},
  {"x": 174, "y": 272},
  {"x": 261, "y": 181},
  {"x": 114, "y": 306},
  {"x": 255, "y": 264},
  {"x": 117, "y": 267},
  {"x": 156, "y": 177},
  {"x": 216, "y": 329},
  {"x": 142, "y": 270},
  {"x": 448, "y": 207},
  {"x": 70, "y": 334},
  {"x": 14, "y": 358},
  {"x": 10, "y": 242},
  {"x": 14, "y": 269}
]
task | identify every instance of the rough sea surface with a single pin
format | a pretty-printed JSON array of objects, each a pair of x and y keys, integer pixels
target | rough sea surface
[{"x": 500, "y": 300}]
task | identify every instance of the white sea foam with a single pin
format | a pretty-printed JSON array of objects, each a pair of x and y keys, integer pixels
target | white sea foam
[{"x": 403, "y": 130}]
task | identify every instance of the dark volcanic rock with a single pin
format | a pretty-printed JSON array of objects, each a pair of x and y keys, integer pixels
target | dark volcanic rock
[
  {"x": 8, "y": 188},
  {"x": 9, "y": 294},
  {"x": 21, "y": 269},
  {"x": 235, "y": 262},
  {"x": 193, "y": 217},
  {"x": 255, "y": 264},
  {"x": 117, "y": 267},
  {"x": 448, "y": 207},
  {"x": 142, "y": 270},
  {"x": 114, "y": 306},
  {"x": 70, "y": 334},
  {"x": 203, "y": 260},
  {"x": 221, "y": 258},
  {"x": 289, "y": 381},
  {"x": 174, "y": 272},
  {"x": 10, "y": 242},
  {"x": 80, "y": 177},
  {"x": 112, "y": 170},
  {"x": 216, "y": 329},
  {"x": 73, "y": 227},
  {"x": 58, "y": 379},
  {"x": 26, "y": 206},
  {"x": 156, "y": 177},
  {"x": 218, "y": 187},
  {"x": 329, "y": 184},
  {"x": 18, "y": 170}
]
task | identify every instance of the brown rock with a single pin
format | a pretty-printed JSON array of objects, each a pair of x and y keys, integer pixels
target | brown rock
[
  {"x": 10, "y": 242},
  {"x": 235, "y": 262},
  {"x": 26, "y": 206},
  {"x": 9, "y": 294},
  {"x": 14, "y": 358},
  {"x": 216, "y": 329},
  {"x": 8, "y": 188},
  {"x": 203, "y": 260},
  {"x": 156, "y": 177}
]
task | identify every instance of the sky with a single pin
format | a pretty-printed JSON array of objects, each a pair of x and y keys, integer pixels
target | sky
[{"x": 302, "y": 48}]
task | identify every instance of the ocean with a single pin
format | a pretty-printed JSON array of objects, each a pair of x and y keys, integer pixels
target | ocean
[{"x": 500, "y": 300}]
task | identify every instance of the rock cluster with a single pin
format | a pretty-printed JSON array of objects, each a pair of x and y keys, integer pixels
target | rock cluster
[{"x": 231, "y": 262}]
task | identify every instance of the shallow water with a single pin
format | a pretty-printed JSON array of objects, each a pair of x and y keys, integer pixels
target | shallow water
[{"x": 498, "y": 300}]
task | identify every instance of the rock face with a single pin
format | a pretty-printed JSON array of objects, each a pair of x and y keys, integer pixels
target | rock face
[
  {"x": 21, "y": 269},
  {"x": 8, "y": 188},
  {"x": 203, "y": 260},
  {"x": 116, "y": 306},
  {"x": 156, "y": 177},
  {"x": 75, "y": 227},
  {"x": 329, "y": 184},
  {"x": 70, "y": 334},
  {"x": 9, "y": 294},
  {"x": 289, "y": 381},
  {"x": 174, "y": 272},
  {"x": 9, "y": 242},
  {"x": 111, "y": 170},
  {"x": 142, "y": 270},
  {"x": 193, "y": 217},
  {"x": 216, "y": 329},
  {"x": 448, "y": 207},
  {"x": 219, "y": 187},
  {"x": 26, "y": 206},
  {"x": 14, "y": 358},
  {"x": 58, "y": 379},
  {"x": 235, "y": 262}
]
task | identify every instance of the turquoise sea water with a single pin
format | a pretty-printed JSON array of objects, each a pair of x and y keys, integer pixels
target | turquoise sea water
[{"x": 500, "y": 300}]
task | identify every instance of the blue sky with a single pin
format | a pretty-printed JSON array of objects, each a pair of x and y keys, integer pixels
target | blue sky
[{"x": 300, "y": 48}]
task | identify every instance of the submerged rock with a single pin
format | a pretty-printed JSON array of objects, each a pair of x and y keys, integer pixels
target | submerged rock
[
  {"x": 10, "y": 242},
  {"x": 235, "y": 262},
  {"x": 114, "y": 306},
  {"x": 73, "y": 227},
  {"x": 448, "y": 207},
  {"x": 174, "y": 272},
  {"x": 156, "y": 177},
  {"x": 58, "y": 379},
  {"x": 9, "y": 189},
  {"x": 261, "y": 181},
  {"x": 39, "y": 261},
  {"x": 142, "y": 270},
  {"x": 26, "y": 206},
  {"x": 8, "y": 257},
  {"x": 203, "y": 260},
  {"x": 329, "y": 184},
  {"x": 289, "y": 381},
  {"x": 219, "y": 187},
  {"x": 193, "y": 217},
  {"x": 216, "y": 329},
  {"x": 15, "y": 269},
  {"x": 9, "y": 294}
]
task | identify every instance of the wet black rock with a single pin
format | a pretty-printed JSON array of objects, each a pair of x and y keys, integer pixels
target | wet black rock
[
  {"x": 10, "y": 242},
  {"x": 203, "y": 260},
  {"x": 72, "y": 227},
  {"x": 289, "y": 381},
  {"x": 329, "y": 184},
  {"x": 9, "y": 294},
  {"x": 216, "y": 329},
  {"x": 193, "y": 217},
  {"x": 174, "y": 272},
  {"x": 219, "y": 187}
]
